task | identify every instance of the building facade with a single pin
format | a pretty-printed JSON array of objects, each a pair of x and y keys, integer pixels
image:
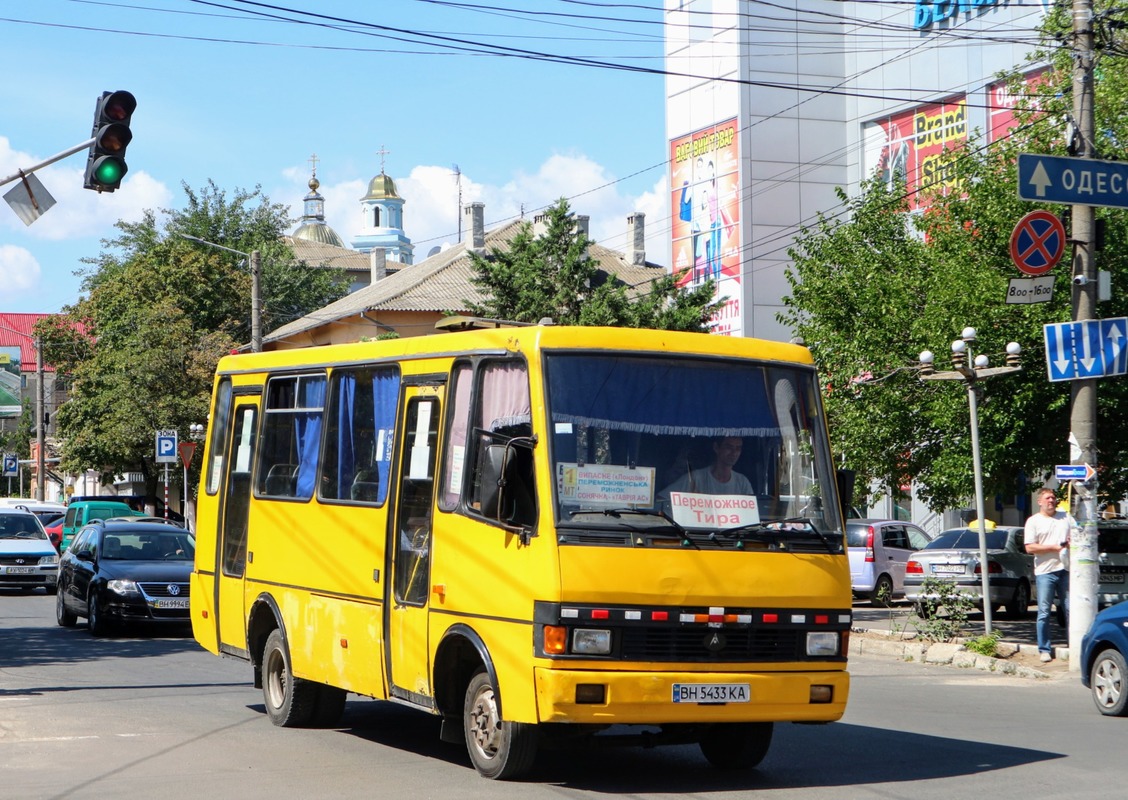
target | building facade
[{"x": 773, "y": 106}]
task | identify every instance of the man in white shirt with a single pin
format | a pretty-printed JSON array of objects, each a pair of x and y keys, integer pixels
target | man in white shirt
[
  {"x": 717, "y": 478},
  {"x": 1047, "y": 533}
]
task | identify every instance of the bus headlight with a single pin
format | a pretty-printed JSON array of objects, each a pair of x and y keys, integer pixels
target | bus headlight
[
  {"x": 591, "y": 642},
  {"x": 822, "y": 643}
]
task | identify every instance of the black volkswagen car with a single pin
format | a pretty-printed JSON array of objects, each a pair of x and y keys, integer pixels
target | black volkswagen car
[{"x": 122, "y": 571}]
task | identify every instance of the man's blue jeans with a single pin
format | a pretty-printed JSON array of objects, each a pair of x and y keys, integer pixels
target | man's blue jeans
[{"x": 1050, "y": 585}]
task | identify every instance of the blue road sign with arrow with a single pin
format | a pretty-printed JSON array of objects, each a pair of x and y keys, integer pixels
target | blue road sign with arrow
[
  {"x": 1094, "y": 348},
  {"x": 1087, "y": 181}
]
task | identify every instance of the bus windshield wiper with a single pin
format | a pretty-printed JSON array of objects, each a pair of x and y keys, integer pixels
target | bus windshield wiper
[
  {"x": 678, "y": 530},
  {"x": 779, "y": 529}
]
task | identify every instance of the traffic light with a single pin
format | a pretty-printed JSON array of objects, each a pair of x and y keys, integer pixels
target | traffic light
[{"x": 105, "y": 166}]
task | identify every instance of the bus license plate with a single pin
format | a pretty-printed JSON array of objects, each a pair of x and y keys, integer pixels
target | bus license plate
[
  {"x": 179, "y": 602},
  {"x": 20, "y": 570},
  {"x": 712, "y": 693}
]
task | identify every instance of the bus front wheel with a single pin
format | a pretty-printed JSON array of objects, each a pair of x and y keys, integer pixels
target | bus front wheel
[
  {"x": 740, "y": 745},
  {"x": 289, "y": 701},
  {"x": 498, "y": 749}
]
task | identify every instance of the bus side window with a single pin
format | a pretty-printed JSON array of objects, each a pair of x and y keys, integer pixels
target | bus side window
[
  {"x": 505, "y": 479},
  {"x": 291, "y": 436},
  {"x": 358, "y": 439}
]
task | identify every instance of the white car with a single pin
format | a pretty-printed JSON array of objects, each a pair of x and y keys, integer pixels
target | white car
[{"x": 27, "y": 558}]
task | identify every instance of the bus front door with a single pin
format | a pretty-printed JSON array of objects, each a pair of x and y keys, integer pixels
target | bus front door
[
  {"x": 407, "y": 641},
  {"x": 232, "y": 533}
]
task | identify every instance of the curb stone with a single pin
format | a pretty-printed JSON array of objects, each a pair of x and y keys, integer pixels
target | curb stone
[{"x": 950, "y": 654}]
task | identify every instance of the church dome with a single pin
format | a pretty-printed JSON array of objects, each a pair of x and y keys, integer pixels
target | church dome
[
  {"x": 381, "y": 188},
  {"x": 318, "y": 232},
  {"x": 313, "y": 227}
]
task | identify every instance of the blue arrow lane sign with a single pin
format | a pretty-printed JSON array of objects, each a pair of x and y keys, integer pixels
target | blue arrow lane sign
[
  {"x": 1096, "y": 348},
  {"x": 1057, "y": 179}
]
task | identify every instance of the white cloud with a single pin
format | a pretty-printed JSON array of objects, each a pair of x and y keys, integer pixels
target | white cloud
[
  {"x": 19, "y": 271},
  {"x": 80, "y": 213},
  {"x": 431, "y": 195}
]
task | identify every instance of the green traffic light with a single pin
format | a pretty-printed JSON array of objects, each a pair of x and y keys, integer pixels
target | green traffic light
[{"x": 109, "y": 171}]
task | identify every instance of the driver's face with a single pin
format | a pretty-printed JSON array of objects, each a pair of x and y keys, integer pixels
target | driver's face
[{"x": 728, "y": 450}]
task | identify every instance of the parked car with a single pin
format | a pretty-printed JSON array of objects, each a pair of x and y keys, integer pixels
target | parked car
[
  {"x": 28, "y": 560},
  {"x": 879, "y": 550},
  {"x": 54, "y": 528},
  {"x": 47, "y": 511},
  {"x": 1104, "y": 670},
  {"x": 954, "y": 556},
  {"x": 82, "y": 512},
  {"x": 1112, "y": 560},
  {"x": 121, "y": 571}
]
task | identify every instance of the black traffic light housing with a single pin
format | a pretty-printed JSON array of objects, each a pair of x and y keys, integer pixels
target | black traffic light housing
[{"x": 105, "y": 166}]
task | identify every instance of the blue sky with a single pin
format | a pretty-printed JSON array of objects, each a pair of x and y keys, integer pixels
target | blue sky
[{"x": 228, "y": 91}]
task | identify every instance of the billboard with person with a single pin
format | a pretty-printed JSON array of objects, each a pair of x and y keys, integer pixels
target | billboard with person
[{"x": 705, "y": 213}]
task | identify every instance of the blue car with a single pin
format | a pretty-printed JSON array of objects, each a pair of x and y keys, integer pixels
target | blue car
[{"x": 1103, "y": 666}]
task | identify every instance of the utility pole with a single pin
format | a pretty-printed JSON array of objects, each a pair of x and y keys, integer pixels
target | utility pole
[
  {"x": 40, "y": 439},
  {"x": 1083, "y": 569},
  {"x": 256, "y": 302}
]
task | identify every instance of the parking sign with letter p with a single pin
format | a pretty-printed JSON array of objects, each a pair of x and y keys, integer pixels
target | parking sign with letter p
[{"x": 166, "y": 447}]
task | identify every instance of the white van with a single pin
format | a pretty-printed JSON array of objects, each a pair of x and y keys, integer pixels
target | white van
[{"x": 44, "y": 509}]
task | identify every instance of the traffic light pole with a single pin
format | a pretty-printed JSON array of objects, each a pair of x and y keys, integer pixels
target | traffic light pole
[
  {"x": 68, "y": 152},
  {"x": 1083, "y": 569}
]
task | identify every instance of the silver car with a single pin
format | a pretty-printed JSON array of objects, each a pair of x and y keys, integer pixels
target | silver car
[
  {"x": 954, "y": 556},
  {"x": 1112, "y": 543}
]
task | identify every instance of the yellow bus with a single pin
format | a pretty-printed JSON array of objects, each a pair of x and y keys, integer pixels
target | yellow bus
[{"x": 540, "y": 534}]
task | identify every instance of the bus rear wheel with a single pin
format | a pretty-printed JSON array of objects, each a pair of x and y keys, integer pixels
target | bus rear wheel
[
  {"x": 740, "y": 745},
  {"x": 289, "y": 701},
  {"x": 498, "y": 749}
]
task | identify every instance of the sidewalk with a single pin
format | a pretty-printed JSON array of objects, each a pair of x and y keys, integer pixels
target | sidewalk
[{"x": 890, "y": 632}]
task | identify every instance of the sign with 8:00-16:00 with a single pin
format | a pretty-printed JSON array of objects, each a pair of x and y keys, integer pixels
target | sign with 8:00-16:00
[{"x": 1037, "y": 243}]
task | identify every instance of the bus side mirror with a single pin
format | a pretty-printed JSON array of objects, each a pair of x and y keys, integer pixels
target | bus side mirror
[
  {"x": 491, "y": 479},
  {"x": 845, "y": 479}
]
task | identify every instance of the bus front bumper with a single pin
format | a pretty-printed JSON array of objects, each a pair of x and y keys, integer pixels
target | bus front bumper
[{"x": 655, "y": 698}]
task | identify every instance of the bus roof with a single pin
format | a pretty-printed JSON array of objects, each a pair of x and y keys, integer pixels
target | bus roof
[{"x": 526, "y": 339}]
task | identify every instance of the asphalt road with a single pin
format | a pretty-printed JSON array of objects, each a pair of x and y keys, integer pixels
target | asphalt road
[{"x": 153, "y": 715}]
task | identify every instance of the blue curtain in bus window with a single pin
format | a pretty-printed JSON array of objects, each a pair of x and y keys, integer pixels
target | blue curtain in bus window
[
  {"x": 385, "y": 393},
  {"x": 346, "y": 437},
  {"x": 307, "y": 429},
  {"x": 675, "y": 397}
]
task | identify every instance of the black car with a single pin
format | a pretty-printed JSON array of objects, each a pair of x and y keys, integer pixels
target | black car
[{"x": 124, "y": 571}]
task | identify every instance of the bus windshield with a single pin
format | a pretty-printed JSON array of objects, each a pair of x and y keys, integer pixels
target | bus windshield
[{"x": 693, "y": 443}]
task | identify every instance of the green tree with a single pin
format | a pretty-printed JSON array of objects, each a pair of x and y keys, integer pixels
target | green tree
[
  {"x": 159, "y": 312},
  {"x": 873, "y": 286},
  {"x": 551, "y": 276}
]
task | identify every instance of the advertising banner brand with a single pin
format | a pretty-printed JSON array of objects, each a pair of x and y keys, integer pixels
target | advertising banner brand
[{"x": 705, "y": 209}]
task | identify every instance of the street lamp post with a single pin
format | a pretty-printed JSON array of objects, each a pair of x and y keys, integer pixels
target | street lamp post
[
  {"x": 970, "y": 370},
  {"x": 254, "y": 259}
]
